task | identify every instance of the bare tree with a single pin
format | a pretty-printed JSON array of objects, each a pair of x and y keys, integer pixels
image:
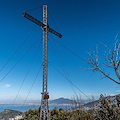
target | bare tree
[
  {"x": 77, "y": 103},
  {"x": 112, "y": 60}
]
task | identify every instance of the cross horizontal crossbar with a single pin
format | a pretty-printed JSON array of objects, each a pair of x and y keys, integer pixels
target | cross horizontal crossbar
[{"x": 31, "y": 18}]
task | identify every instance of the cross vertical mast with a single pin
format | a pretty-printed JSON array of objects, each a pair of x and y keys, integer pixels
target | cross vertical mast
[
  {"x": 44, "y": 115},
  {"x": 45, "y": 49}
]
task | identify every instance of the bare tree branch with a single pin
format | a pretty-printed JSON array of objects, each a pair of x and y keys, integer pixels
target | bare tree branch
[{"x": 112, "y": 60}]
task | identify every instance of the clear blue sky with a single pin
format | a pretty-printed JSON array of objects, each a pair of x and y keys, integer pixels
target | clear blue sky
[{"x": 83, "y": 24}]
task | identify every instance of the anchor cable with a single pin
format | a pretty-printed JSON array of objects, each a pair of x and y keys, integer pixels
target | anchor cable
[
  {"x": 69, "y": 81},
  {"x": 34, "y": 9},
  {"x": 63, "y": 67},
  {"x": 19, "y": 61},
  {"x": 31, "y": 88},
  {"x": 17, "y": 49},
  {"x": 69, "y": 50},
  {"x": 26, "y": 75}
]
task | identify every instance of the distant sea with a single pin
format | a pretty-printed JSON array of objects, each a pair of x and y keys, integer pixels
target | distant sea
[{"x": 24, "y": 108}]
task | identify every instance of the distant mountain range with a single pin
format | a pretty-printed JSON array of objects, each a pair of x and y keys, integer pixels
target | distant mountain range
[{"x": 59, "y": 101}]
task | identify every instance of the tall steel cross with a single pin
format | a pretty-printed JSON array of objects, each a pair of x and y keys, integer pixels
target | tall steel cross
[{"x": 44, "y": 111}]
